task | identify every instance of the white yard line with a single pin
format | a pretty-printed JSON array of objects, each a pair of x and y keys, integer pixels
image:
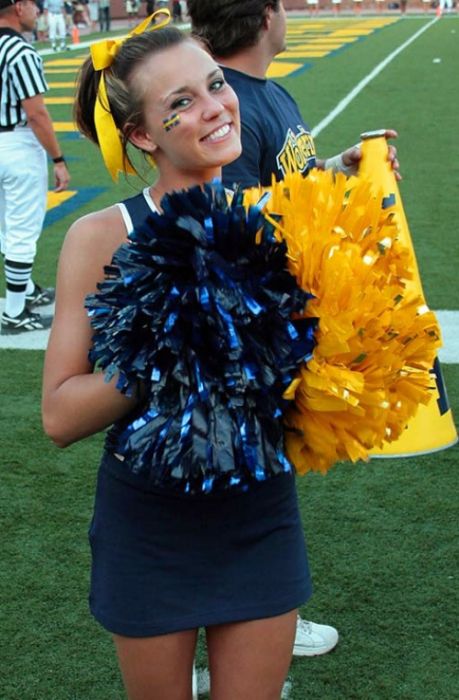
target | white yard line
[
  {"x": 449, "y": 324},
  {"x": 37, "y": 340},
  {"x": 345, "y": 102}
]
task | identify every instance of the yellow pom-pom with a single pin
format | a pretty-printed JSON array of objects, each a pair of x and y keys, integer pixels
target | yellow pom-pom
[{"x": 375, "y": 342}]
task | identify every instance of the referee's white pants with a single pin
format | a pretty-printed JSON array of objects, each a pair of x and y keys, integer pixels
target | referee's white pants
[
  {"x": 56, "y": 26},
  {"x": 23, "y": 192}
]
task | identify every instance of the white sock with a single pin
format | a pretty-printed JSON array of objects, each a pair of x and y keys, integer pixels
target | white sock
[
  {"x": 18, "y": 276},
  {"x": 14, "y": 303}
]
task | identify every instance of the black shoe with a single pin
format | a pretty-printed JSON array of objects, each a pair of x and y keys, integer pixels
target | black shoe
[
  {"x": 41, "y": 296},
  {"x": 26, "y": 321}
]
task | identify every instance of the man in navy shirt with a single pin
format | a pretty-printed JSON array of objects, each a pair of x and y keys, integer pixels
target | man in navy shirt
[
  {"x": 274, "y": 140},
  {"x": 244, "y": 37}
]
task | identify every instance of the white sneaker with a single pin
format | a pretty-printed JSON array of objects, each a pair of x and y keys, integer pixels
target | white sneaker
[
  {"x": 194, "y": 683},
  {"x": 312, "y": 639}
]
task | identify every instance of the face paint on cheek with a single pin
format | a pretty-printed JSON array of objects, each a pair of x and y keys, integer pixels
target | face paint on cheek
[{"x": 170, "y": 122}]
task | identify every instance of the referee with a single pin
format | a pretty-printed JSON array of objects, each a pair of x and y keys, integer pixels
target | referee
[{"x": 26, "y": 137}]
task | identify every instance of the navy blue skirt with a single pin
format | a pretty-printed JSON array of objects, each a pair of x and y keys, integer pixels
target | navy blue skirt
[{"x": 165, "y": 562}]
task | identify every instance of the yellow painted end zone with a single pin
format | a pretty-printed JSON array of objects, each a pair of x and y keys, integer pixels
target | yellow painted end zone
[
  {"x": 57, "y": 198},
  {"x": 64, "y": 126},
  {"x": 59, "y": 100},
  {"x": 280, "y": 70}
]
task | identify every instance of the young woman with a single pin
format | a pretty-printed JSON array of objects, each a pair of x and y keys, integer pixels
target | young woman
[{"x": 166, "y": 564}]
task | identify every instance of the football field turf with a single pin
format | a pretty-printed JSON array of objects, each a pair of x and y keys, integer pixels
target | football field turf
[{"x": 382, "y": 537}]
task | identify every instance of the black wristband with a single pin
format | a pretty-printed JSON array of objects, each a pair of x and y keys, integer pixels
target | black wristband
[{"x": 59, "y": 159}]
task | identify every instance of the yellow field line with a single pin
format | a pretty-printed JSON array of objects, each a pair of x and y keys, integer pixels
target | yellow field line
[
  {"x": 61, "y": 85},
  {"x": 280, "y": 70},
  {"x": 64, "y": 126},
  {"x": 59, "y": 100}
]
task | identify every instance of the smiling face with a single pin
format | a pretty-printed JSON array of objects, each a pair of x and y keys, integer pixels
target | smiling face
[{"x": 191, "y": 116}]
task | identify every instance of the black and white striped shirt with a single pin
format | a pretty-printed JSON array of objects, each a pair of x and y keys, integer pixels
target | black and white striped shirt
[{"x": 21, "y": 76}]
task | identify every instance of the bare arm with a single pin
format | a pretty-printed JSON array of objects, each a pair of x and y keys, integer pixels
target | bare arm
[
  {"x": 40, "y": 122},
  {"x": 77, "y": 402}
]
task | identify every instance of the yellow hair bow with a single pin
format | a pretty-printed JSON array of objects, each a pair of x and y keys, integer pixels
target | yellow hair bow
[{"x": 103, "y": 54}]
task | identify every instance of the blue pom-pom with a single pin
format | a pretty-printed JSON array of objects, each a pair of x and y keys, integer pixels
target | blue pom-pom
[{"x": 198, "y": 307}]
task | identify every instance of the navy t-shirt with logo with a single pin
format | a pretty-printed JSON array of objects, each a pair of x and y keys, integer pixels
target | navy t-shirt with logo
[{"x": 275, "y": 139}]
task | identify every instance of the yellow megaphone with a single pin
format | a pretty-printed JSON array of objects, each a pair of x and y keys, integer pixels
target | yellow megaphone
[{"x": 432, "y": 428}]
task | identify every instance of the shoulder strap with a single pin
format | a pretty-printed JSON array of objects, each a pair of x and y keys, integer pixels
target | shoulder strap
[{"x": 137, "y": 209}]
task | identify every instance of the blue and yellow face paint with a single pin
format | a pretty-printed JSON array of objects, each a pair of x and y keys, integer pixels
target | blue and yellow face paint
[{"x": 171, "y": 121}]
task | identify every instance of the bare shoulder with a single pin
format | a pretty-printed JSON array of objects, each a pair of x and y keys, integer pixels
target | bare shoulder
[
  {"x": 90, "y": 243},
  {"x": 99, "y": 233}
]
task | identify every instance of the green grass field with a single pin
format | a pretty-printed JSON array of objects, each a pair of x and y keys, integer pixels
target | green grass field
[{"x": 382, "y": 536}]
